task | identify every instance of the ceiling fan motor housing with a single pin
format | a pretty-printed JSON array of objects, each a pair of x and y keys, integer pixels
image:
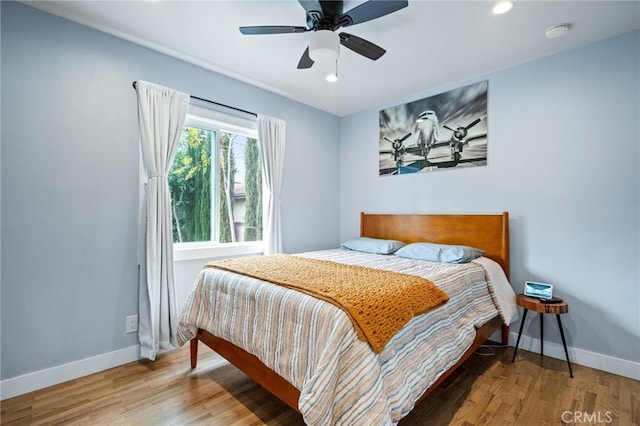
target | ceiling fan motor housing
[{"x": 325, "y": 17}]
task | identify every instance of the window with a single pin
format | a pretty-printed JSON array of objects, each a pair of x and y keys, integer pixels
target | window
[{"x": 216, "y": 181}]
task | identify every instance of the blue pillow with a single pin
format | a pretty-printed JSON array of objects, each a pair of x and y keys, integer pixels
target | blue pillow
[
  {"x": 372, "y": 245},
  {"x": 439, "y": 252}
]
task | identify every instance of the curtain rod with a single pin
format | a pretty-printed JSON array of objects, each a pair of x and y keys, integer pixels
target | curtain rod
[{"x": 215, "y": 103}]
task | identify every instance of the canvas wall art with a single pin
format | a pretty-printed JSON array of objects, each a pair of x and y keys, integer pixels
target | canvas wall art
[{"x": 445, "y": 131}]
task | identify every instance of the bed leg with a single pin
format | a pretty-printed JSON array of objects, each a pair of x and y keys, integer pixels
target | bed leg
[
  {"x": 505, "y": 334},
  {"x": 194, "y": 352}
]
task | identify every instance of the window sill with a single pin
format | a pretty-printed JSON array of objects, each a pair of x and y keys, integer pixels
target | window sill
[{"x": 184, "y": 252}]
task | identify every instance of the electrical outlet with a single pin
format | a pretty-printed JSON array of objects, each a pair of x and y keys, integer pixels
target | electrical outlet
[{"x": 132, "y": 323}]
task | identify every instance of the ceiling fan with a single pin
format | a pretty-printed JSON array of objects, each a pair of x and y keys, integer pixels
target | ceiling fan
[{"x": 324, "y": 18}]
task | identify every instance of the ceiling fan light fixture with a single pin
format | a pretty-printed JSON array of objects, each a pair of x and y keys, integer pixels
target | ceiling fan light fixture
[{"x": 324, "y": 46}]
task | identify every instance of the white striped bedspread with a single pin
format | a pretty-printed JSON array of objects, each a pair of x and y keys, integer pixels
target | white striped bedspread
[{"x": 314, "y": 346}]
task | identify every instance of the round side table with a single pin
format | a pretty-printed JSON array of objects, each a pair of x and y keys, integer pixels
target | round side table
[{"x": 536, "y": 305}]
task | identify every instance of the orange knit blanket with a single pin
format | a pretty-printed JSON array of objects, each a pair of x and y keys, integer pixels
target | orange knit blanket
[{"x": 378, "y": 302}]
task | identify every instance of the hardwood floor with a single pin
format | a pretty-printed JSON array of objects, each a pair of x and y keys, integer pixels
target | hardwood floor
[{"x": 487, "y": 390}]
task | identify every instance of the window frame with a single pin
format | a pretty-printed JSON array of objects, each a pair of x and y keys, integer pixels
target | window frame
[{"x": 218, "y": 122}]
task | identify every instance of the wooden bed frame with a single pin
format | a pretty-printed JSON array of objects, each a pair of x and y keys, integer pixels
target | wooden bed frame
[{"x": 488, "y": 232}]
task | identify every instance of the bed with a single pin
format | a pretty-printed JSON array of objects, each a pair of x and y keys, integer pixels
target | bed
[{"x": 382, "y": 396}]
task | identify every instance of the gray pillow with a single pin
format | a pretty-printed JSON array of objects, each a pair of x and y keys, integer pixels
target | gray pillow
[
  {"x": 372, "y": 245},
  {"x": 444, "y": 253}
]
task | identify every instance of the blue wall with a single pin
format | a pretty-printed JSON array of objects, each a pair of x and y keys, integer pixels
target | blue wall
[
  {"x": 70, "y": 182},
  {"x": 563, "y": 160}
]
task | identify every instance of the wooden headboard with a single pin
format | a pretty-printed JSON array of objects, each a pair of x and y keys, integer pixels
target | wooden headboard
[{"x": 487, "y": 232}]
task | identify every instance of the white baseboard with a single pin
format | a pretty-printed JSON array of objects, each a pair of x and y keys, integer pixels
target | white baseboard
[
  {"x": 621, "y": 367},
  {"x": 62, "y": 373}
]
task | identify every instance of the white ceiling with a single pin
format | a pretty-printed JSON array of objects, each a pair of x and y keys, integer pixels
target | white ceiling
[{"x": 428, "y": 43}]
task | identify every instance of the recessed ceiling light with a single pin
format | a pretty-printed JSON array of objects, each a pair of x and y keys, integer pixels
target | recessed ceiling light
[
  {"x": 557, "y": 31},
  {"x": 502, "y": 7}
]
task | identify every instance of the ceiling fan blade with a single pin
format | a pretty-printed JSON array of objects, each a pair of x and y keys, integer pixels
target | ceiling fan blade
[
  {"x": 305, "y": 60},
  {"x": 313, "y": 9},
  {"x": 370, "y": 10},
  {"x": 272, "y": 29},
  {"x": 361, "y": 46}
]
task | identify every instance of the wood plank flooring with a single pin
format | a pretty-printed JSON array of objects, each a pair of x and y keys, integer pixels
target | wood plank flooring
[{"x": 487, "y": 390}]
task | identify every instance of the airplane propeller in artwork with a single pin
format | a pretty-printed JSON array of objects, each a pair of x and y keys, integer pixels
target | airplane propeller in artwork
[
  {"x": 398, "y": 147},
  {"x": 458, "y": 138}
]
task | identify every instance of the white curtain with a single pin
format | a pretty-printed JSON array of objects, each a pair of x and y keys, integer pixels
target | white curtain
[
  {"x": 271, "y": 133},
  {"x": 161, "y": 115}
]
